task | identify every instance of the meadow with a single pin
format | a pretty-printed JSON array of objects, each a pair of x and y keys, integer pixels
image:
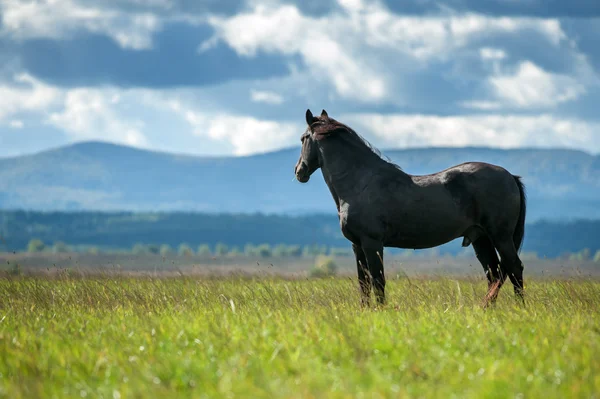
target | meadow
[{"x": 120, "y": 336}]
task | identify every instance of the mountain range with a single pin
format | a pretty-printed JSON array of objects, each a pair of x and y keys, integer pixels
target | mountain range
[{"x": 561, "y": 184}]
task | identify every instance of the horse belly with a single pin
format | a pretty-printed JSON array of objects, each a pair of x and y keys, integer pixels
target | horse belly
[
  {"x": 427, "y": 232},
  {"x": 420, "y": 242}
]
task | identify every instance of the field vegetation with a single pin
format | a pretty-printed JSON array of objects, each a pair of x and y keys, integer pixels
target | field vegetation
[{"x": 118, "y": 336}]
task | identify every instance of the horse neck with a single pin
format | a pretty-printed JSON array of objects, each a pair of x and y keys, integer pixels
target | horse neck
[{"x": 347, "y": 167}]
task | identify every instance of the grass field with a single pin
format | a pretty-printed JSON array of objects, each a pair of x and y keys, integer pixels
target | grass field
[{"x": 122, "y": 337}]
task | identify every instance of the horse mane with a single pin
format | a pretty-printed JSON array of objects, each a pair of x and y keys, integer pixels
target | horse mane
[{"x": 326, "y": 126}]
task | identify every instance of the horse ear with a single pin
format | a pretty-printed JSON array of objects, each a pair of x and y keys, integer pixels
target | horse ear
[
  {"x": 324, "y": 114},
  {"x": 309, "y": 117}
]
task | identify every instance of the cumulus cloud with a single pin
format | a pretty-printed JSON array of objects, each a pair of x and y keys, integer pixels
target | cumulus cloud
[
  {"x": 530, "y": 87},
  {"x": 246, "y": 134},
  {"x": 283, "y": 29},
  {"x": 250, "y": 135},
  {"x": 119, "y": 115},
  {"x": 91, "y": 114},
  {"x": 82, "y": 113},
  {"x": 357, "y": 55},
  {"x": 267, "y": 97},
  {"x": 60, "y": 19},
  {"x": 345, "y": 48},
  {"x": 502, "y": 131},
  {"x": 26, "y": 93},
  {"x": 436, "y": 37}
]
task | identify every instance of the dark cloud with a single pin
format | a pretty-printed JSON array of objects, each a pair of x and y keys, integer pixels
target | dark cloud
[
  {"x": 586, "y": 108},
  {"x": 9, "y": 63},
  {"x": 315, "y": 8},
  {"x": 177, "y": 7},
  {"x": 173, "y": 61},
  {"x": 214, "y": 7},
  {"x": 586, "y": 34},
  {"x": 534, "y": 8},
  {"x": 537, "y": 8},
  {"x": 224, "y": 7}
]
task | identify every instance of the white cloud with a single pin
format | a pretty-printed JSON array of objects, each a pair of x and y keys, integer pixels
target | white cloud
[
  {"x": 26, "y": 94},
  {"x": 284, "y": 30},
  {"x": 345, "y": 48},
  {"x": 63, "y": 18},
  {"x": 82, "y": 113},
  {"x": 267, "y": 97},
  {"x": 91, "y": 114},
  {"x": 16, "y": 124},
  {"x": 249, "y": 135},
  {"x": 482, "y": 105},
  {"x": 437, "y": 37},
  {"x": 488, "y": 53},
  {"x": 246, "y": 134},
  {"x": 506, "y": 131},
  {"x": 119, "y": 115},
  {"x": 532, "y": 87}
]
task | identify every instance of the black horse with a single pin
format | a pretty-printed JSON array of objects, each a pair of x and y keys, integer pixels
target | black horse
[{"x": 380, "y": 206}]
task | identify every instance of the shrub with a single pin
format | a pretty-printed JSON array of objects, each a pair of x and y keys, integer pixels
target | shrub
[
  {"x": 324, "y": 267},
  {"x": 295, "y": 251},
  {"x": 35, "y": 245},
  {"x": 154, "y": 249},
  {"x": 249, "y": 250},
  {"x": 166, "y": 250},
  {"x": 264, "y": 251},
  {"x": 185, "y": 250},
  {"x": 280, "y": 251},
  {"x": 60, "y": 247},
  {"x": 221, "y": 249},
  {"x": 582, "y": 255},
  {"x": 234, "y": 252},
  {"x": 139, "y": 249},
  {"x": 204, "y": 250}
]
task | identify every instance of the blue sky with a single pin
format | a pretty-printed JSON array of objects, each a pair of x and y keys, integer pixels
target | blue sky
[{"x": 235, "y": 77}]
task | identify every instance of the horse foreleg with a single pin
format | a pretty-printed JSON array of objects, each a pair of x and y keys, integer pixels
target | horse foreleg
[
  {"x": 374, "y": 255},
  {"x": 364, "y": 279}
]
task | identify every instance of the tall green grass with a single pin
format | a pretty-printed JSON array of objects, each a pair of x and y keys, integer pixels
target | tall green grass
[{"x": 120, "y": 337}]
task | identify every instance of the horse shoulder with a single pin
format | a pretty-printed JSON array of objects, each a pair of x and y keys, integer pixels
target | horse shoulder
[{"x": 358, "y": 221}]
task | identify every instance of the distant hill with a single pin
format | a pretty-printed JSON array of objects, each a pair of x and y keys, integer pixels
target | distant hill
[{"x": 562, "y": 184}]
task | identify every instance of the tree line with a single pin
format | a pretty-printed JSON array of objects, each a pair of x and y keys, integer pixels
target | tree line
[
  {"x": 203, "y": 250},
  {"x": 267, "y": 234},
  {"x": 257, "y": 251}
]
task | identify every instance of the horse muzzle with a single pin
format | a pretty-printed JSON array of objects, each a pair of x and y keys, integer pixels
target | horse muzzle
[{"x": 302, "y": 174}]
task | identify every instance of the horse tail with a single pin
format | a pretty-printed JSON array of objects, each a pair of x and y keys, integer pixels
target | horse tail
[{"x": 519, "y": 233}]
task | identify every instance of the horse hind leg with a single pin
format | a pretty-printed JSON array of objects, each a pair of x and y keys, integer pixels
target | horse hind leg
[
  {"x": 511, "y": 264},
  {"x": 486, "y": 254}
]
